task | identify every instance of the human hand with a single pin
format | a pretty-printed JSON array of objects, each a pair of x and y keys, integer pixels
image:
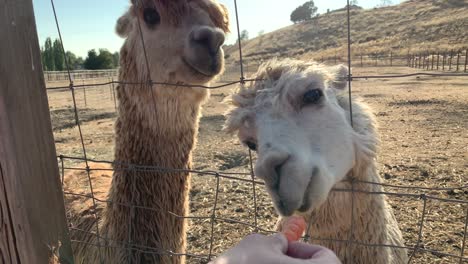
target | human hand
[{"x": 259, "y": 249}]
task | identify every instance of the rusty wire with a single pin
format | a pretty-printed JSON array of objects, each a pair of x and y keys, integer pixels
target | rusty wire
[{"x": 243, "y": 177}]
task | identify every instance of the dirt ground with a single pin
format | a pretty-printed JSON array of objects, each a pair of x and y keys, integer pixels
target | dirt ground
[{"x": 423, "y": 126}]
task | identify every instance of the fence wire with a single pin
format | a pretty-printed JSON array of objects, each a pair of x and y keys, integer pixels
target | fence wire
[{"x": 424, "y": 194}]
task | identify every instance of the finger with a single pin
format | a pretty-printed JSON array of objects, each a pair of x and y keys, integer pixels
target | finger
[{"x": 307, "y": 251}]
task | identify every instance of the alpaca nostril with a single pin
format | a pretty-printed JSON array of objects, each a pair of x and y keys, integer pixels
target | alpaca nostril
[
  {"x": 208, "y": 38},
  {"x": 278, "y": 169}
]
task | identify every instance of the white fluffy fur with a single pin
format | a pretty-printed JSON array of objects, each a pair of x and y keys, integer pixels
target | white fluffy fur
[{"x": 319, "y": 150}]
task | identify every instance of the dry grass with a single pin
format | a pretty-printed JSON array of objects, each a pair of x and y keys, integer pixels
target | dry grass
[
  {"x": 423, "y": 123},
  {"x": 412, "y": 26}
]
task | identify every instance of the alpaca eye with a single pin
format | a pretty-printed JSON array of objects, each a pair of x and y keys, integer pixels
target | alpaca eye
[
  {"x": 312, "y": 96},
  {"x": 251, "y": 145},
  {"x": 151, "y": 16}
]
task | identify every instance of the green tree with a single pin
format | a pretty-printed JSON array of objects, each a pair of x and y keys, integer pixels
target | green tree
[
  {"x": 71, "y": 58},
  {"x": 304, "y": 12},
  {"x": 244, "y": 35},
  {"x": 116, "y": 59},
  {"x": 91, "y": 62},
  {"x": 49, "y": 62},
  {"x": 59, "y": 57},
  {"x": 103, "y": 60},
  {"x": 79, "y": 63},
  {"x": 384, "y": 3},
  {"x": 106, "y": 59}
]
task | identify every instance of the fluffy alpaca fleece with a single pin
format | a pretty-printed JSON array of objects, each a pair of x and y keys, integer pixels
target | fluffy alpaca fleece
[
  {"x": 156, "y": 126},
  {"x": 374, "y": 221}
]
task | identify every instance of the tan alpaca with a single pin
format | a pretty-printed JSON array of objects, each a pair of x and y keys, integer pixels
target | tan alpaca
[
  {"x": 155, "y": 127},
  {"x": 298, "y": 121}
]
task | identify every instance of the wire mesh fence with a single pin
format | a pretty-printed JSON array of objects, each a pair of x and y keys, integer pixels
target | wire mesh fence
[{"x": 214, "y": 222}]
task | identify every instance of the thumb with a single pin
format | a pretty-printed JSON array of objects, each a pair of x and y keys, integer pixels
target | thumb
[{"x": 278, "y": 242}]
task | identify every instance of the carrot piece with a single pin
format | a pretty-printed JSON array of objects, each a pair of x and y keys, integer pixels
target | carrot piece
[{"x": 293, "y": 228}]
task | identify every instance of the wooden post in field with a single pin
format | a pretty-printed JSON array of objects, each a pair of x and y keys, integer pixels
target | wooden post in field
[
  {"x": 113, "y": 92},
  {"x": 432, "y": 61},
  {"x": 450, "y": 60},
  {"x": 458, "y": 60},
  {"x": 443, "y": 62},
  {"x": 437, "y": 61},
  {"x": 391, "y": 57},
  {"x": 424, "y": 61},
  {"x": 110, "y": 86},
  {"x": 84, "y": 94},
  {"x": 466, "y": 58},
  {"x": 428, "y": 60},
  {"x": 361, "y": 62},
  {"x": 33, "y": 227}
]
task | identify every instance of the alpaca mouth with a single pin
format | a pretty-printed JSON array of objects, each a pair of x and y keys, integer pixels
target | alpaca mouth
[{"x": 197, "y": 71}]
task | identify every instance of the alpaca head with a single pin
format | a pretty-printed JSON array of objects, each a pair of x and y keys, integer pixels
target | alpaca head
[
  {"x": 303, "y": 138},
  {"x": 183, "y": 39}
]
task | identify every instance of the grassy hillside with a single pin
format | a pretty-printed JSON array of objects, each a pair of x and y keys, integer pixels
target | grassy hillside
[{"x": 412, "y": 26}]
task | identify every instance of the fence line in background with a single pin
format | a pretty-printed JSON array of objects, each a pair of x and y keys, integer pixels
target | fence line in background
[{"x": 451, "y": 61}]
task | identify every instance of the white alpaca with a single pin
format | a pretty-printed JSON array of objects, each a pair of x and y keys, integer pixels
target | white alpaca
[{"x": 297, "y": 118}]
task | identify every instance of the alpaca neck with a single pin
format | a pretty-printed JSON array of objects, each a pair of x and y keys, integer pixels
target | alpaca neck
[{"x": 158, "y": 129}]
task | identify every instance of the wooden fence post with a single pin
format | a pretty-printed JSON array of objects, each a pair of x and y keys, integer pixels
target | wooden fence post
[
  {"x": 113, "y": 91},
  {"x": 362, "y": 64},
  {"x": 391, "y": 57},
  {"x": 450, "y": 60},
  {"x": 437, "y": 61},
  {"x": 466, "y": 58},
  {"x": 84, "y": 94},
  {"x": 443, "y": 62},
  {"x": 432, "y": 61},
  {"x": 428, "y": 61},
  {"x": 32, "y": 214},
  {"x": 423, "y": 61},
  {"x": 458, "y": 60}
]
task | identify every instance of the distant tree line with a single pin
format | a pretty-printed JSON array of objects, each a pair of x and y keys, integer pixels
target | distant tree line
[{"x": 53, "y": 58}]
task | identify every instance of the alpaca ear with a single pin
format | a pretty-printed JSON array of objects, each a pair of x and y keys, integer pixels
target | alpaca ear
[
  {"x": 338, "y": 77},
  {"x": 124, "y": 25}
]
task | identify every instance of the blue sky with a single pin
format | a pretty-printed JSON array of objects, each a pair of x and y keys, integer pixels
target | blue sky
[{"x": 88, "y": 24}]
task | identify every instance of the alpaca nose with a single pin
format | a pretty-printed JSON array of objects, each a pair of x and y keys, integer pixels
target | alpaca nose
[
  {"x": 209, "y": 38},
  {"x": 270, "y": 167}
]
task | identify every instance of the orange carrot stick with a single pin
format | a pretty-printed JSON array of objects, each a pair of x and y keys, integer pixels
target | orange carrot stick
[{"x": 293, "y": 228}]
